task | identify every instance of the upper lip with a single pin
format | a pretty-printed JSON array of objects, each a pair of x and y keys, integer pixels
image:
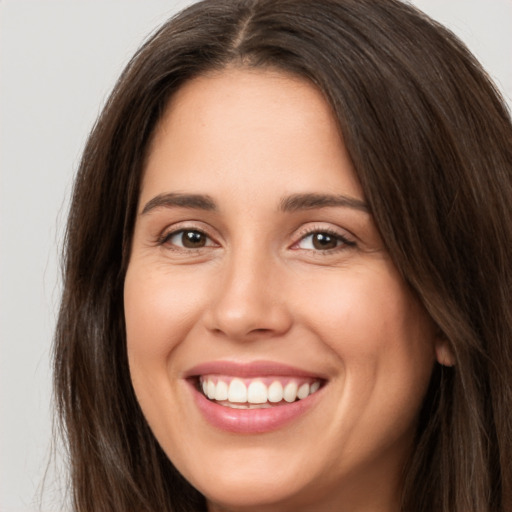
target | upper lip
[{"x": 248, "y": 369}]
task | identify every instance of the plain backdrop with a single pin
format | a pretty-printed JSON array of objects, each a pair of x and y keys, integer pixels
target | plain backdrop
[{"x": 58, "y": 61}]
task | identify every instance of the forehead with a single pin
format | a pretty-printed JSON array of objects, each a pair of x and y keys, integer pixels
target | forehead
[{"x": 261, "y": 127}]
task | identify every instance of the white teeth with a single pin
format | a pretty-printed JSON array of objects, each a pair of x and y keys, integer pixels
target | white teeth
[
  {"x": 237, "y": 391},
  {"x": 210, "y": 392},
  {"x": 303, "y": 391},
  {"x": 290, "y": 392},
  {"x": 221, "y": 390},
  {"x": 256, "y": 393},
  {"x": 275, "y": 392}
]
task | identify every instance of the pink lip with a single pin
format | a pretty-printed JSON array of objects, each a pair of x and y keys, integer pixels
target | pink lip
[
  {"x": 248, "y": 370},
  {"x": 249, "y": 421}
]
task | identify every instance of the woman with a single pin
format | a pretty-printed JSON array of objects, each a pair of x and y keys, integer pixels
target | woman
[{"x": 288, "y": 281}]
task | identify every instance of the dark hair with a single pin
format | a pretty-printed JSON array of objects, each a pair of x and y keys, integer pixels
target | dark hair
[{"x": 431, "y": 143}]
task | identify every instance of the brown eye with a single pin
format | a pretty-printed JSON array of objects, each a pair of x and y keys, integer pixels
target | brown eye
[
  {"x": 324, "y": 241},
  {"x": 193, "y": 239},
  {"x": 188, "y": 239}
]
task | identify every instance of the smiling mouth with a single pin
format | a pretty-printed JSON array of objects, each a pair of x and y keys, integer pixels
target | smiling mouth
[
  {"x": 256, "y": 393},
  {"x": 256, "y": 397}
]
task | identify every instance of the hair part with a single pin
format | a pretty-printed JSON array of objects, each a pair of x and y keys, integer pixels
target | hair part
[{"x": 430, "y": 140}]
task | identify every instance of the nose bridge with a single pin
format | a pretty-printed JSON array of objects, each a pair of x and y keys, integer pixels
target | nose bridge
[{"x": 248, "y": 300}]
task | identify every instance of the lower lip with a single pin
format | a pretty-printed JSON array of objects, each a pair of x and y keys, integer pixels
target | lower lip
[{"x": 252, "y": 421}]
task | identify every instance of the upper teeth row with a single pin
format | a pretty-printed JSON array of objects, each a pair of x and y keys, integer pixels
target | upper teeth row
[{"x": 257, "y": 392}]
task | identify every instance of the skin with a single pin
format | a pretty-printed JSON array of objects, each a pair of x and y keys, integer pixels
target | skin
[{"x": 259, "y": 289}]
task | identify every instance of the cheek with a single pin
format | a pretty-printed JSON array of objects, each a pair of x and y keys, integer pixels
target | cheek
[
  {"x": 158, "y": 314},
  {"x": 369, "y": 315},
  {"x": 383, "y": 342},
  {"x": 380, "y": 335},
  {"x": 158, "y": 311}
]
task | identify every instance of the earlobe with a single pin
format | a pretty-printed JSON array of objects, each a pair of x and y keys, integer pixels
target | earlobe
[{"x": 444, "y": 352}]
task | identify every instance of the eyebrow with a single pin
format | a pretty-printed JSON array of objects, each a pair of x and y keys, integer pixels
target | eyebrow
[
  {"x": 297, "y": 202},
  {"x": 170, "y": 200},
  {"x": 288, "y": 204}
]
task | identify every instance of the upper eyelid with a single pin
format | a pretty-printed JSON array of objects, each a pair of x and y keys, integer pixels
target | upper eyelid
[
  {"x": 313, "y": 227},
  {"x": 187, "y": 225}
]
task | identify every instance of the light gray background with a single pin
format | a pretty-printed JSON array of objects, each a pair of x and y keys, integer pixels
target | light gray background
[{"x": 58, "y": 61}]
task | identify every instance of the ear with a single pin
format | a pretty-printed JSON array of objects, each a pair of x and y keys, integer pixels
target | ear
[{"x": 443, "y": 350}]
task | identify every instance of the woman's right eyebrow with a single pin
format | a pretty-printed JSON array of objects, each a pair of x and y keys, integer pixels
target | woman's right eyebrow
[{"x": 174, "y": 199}]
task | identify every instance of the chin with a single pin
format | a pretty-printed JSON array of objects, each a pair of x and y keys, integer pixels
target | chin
[
  {"x": 263, "y": 475},
  {"x": 253, "y": 491}
]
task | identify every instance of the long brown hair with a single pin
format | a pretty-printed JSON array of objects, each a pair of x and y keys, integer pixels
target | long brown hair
[{"x": 431, "y": 142}]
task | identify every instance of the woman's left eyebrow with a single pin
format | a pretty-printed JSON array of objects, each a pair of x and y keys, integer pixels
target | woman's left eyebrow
[
  {"x": 177, "y": 200},
  {"x": 309, "y": 201}
]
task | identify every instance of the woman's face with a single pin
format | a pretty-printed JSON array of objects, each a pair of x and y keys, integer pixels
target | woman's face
[{"x": 257, "y": 273}]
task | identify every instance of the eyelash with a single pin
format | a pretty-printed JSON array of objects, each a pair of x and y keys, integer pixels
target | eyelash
[{"x": 343, "y": 241}]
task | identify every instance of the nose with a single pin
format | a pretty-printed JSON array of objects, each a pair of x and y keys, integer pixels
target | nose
[{"x": 250, "y": 300}]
